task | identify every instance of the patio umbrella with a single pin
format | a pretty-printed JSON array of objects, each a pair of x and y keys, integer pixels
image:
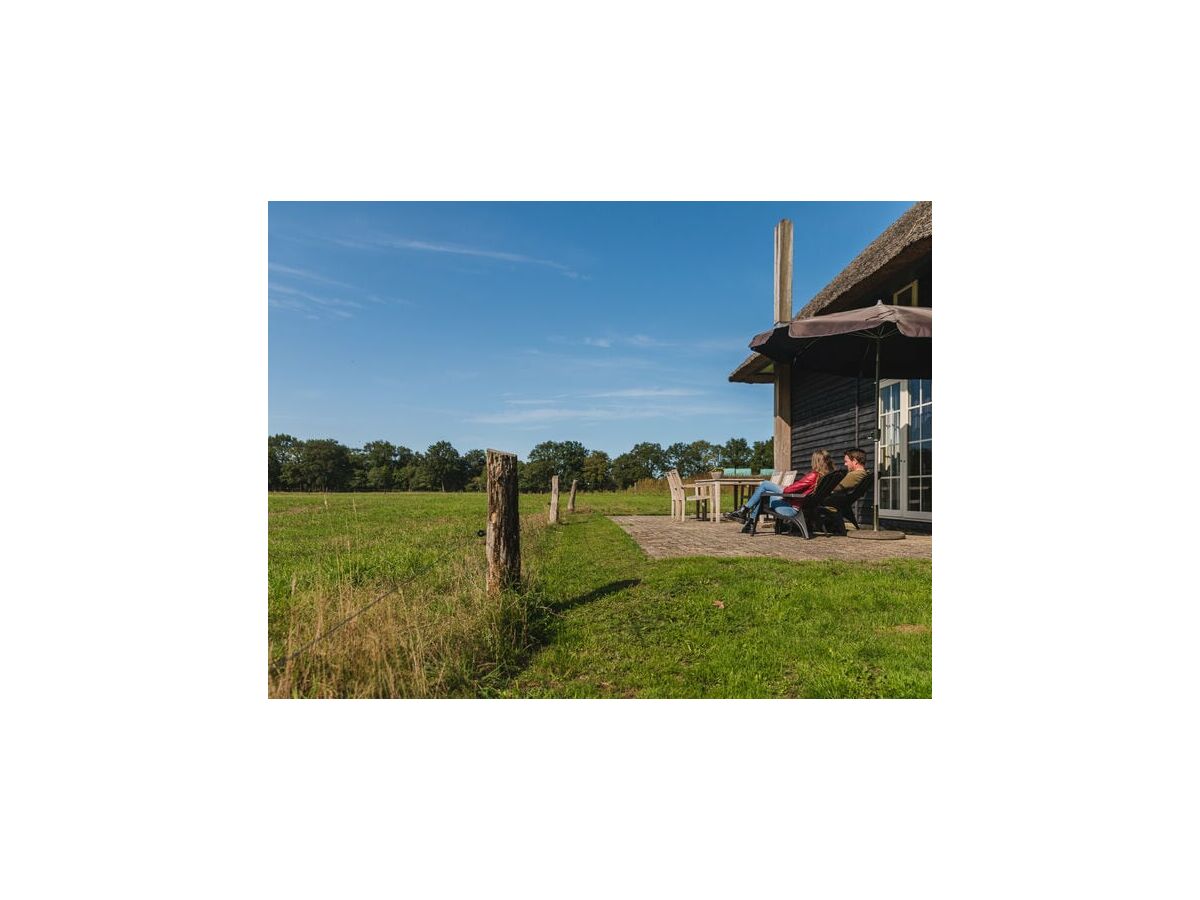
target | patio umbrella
[{"x": 841, "y": 343}]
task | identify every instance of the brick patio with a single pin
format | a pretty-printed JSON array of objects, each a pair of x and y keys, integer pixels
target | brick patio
[{"x": 662, "y": 537}]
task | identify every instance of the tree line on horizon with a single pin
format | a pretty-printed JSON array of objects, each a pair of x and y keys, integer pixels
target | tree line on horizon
[{"x": 327, "y": 465}]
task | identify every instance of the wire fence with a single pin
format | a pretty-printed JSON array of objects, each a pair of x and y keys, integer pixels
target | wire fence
[{"x": 279, "y": 664}]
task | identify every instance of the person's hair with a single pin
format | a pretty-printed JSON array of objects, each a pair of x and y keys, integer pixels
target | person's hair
[
  {"x": 821, "y": 463},
  {"x": 857, "y": 455}
]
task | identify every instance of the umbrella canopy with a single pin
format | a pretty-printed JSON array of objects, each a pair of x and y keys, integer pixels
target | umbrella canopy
[{"x": 842, "y": 343}]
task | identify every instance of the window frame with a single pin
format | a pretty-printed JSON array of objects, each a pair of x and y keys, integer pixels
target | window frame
[
  {"x": 915, "y": 292},
  {"x": 905, "y": 403}
]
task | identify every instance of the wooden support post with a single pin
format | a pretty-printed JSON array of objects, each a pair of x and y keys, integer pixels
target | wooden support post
[
  {"x": 503, "y": 522},
  {"x": 783, "y": 417},
  {"x": 783, "y": 371},
  {"x": 571, "y": 502},
  {"x": 554, "y": 500},
  {"x": 783, "y": 272}
]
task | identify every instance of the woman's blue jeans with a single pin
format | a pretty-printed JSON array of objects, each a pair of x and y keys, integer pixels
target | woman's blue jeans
[{"x": 765, "y": 488}]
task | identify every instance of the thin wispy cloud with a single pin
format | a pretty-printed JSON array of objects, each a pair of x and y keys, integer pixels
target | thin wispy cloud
[
  {"x": 311, "y": 305},
  {"x": 390, "y": 301},
  {"x": 732, "y": 345},
  {"x": 649, "y": 392},
  {"x": 604, "y": 406},
  {"x": 308, "y": 276},
  {"x": 640, "y": 341},
  {"x": 648, "y": 342},
  {"x": 399, "y": 243},
  {"x": 609, "y": 413},
  {"x": 576, "y": 361},
  {"x": 598, "y": 414}
]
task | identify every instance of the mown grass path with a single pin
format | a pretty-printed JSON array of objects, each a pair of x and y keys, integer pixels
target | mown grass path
[{"x": 620, "y": 625}]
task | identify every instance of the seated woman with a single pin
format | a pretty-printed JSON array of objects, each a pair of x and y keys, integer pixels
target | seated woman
[{"x": 801, "y": 487}]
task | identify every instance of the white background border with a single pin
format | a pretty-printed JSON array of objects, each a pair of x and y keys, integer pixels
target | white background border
[{"x": 144, "y": 142}]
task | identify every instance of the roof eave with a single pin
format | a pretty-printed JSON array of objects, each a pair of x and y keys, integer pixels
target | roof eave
[{"x": 755, "y": 369}]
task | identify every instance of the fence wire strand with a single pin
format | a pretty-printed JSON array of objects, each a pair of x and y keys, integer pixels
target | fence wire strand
[{"x": 278, "y": 665}]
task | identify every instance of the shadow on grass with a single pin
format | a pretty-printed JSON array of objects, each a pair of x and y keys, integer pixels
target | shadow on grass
[
  {"x": 612, "y": 587},
  {"x": 545, "y": 618}
]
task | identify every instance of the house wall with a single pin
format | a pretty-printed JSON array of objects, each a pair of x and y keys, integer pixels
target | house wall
[
  {"x": 824, "y": 406},
  {"x": 823, "y": 418}
]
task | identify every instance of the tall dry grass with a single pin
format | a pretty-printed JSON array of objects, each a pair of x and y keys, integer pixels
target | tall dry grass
[{"x": 439, "y": 634}]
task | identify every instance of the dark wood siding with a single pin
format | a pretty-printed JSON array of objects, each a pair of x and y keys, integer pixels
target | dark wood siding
[{"x": 823, "y": 418}]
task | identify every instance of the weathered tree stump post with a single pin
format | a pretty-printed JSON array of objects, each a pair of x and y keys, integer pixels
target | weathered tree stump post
[
  {"x": 571, "y": 502},
  {"x": 503, "y": 522},
  {"x": 554, "y": 500}
]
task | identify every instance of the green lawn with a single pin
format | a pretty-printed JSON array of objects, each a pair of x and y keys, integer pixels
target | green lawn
[
  {"x": 621, "y": 625},
  {"x": 598, "y": 618}
]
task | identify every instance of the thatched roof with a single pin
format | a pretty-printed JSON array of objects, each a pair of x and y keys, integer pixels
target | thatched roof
[
  {"x": 907, "y": 239},
  {"x": 756, "y": 369}
]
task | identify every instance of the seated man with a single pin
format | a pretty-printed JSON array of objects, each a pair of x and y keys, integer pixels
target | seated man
[{"x": 856, "y": 470}]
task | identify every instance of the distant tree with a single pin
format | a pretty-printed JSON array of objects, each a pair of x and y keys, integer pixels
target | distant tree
[
  {"x": 534, "y": 476},
  {"x": 696, "y": 458},
  {"x": 677, "y": 456},
  {"x": 474, "y": 474},
  {"x": 735, "y": 452},
  {"x": 282, "y": 454},
  {"x": 326, "y": 464},
  {"x": 274, "y": 471},
  {"x": 378, "y": 465},
  {"x": 443, "y": 466},
  {"x": 763, "y": 455},
  {"x": 643, "y": 460},
  {"x": 358, "y": 470},
  {"x": 402, "y": 469},
  {"x": 597, "y": 472},
  {"x": 415, "y": 476},
  {"x": 625, "y": 471},
  {"x": 707, "y": 456},
  {"x": 323, "y": 465},
  {"x": 691, "y": 460},
  {"x": 566, "y": 458}
]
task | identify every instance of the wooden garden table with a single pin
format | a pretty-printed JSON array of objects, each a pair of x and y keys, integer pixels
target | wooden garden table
[{"x": 740, "y": 485}]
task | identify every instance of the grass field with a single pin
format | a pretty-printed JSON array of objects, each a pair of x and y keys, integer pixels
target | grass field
[{"x": 596, "y": 618}]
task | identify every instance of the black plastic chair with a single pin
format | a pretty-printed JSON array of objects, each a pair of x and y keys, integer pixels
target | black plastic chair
[
  {"x": 809, "y": 507},
  {"x": 844, "y": 503}
]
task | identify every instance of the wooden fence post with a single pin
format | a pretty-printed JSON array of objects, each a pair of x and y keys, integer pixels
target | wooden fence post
[
  {"x": 571, "y": 502},
  {"x": 554, "y": 500},
  {"x": 503, "y": 522}
]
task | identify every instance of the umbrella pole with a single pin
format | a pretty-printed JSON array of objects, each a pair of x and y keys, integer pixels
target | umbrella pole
[
  {"x": 857, "y": 402},
  {"x": 875, "y": 493}
]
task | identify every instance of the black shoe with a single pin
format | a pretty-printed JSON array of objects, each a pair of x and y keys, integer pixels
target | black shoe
[
  {"x": 751, "y": 527},
  {"x": 736, "y": 515}
]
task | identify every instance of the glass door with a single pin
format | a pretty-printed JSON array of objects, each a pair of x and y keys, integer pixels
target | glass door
[
  {"x": 906, "y": 449},
  {"x": 891, "y": 447},
  {"x": 919, "y": 458}
]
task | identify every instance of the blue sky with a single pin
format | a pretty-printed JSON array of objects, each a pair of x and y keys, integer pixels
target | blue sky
[{"x": 505, "y": 324}]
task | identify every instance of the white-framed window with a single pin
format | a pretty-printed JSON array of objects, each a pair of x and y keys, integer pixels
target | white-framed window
[
  {"x": 906, "y": 448},
  {"x": 906, "y": 296}
]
